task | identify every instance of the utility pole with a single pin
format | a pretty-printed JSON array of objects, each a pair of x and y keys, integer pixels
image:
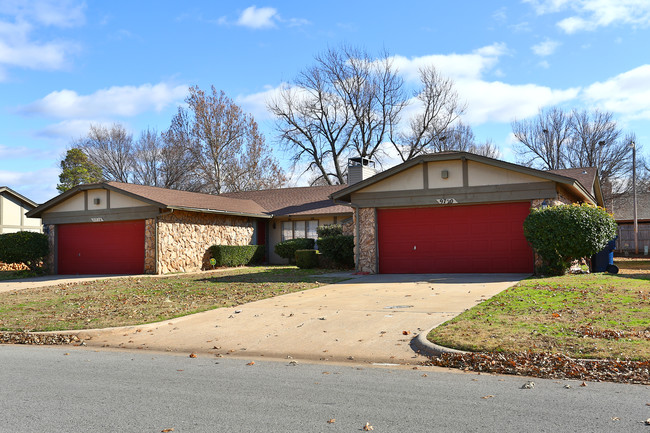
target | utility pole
[{"x": 636, "y": 223}]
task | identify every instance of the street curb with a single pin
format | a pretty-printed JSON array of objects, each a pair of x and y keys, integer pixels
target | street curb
[{"x": 424, "y": 347}]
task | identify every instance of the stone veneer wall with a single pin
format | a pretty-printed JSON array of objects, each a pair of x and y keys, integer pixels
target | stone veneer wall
[
  {"x": 150, "y": 246},
  {"x": 367, "y": 239},
  {"x": 51, "y": 236},
  {"x": 184, "y": 238}
]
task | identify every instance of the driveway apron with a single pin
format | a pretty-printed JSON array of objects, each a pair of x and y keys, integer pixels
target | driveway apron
[{"x": 368, "y": 319}]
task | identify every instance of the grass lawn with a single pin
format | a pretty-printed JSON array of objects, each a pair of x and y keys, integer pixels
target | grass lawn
[
  {"x": 582, "y": 316},
  {"x": 133, "y": 301}
]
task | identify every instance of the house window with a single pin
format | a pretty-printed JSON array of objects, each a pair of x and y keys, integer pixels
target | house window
[{"x": 299, "y": 229}]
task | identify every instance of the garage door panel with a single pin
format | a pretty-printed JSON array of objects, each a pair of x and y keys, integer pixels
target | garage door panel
[
  {"x": 101, "y": 248},
  {"x": 476, "y": 238}
]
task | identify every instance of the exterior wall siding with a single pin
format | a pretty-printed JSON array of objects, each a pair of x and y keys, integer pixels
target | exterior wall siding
[
  {"x": 365, "y": 249},
  {"x": 184, "y": 238}
]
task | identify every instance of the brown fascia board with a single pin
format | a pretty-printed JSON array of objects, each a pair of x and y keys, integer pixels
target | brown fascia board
[
  {"x": 18, "y": 196},
  {"x": 345, "y": 193}
]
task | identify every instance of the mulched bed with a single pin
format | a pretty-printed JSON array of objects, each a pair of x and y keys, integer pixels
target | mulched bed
[
  {"x": 37, "y": 339},
  {"x": 547, "y": 366}
]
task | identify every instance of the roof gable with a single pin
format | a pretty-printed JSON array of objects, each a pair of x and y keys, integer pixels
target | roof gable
[
  {"x": 485, "y": 171},
  {"x": 134, "y": 195},
  {"x": 6, "y": 191}
]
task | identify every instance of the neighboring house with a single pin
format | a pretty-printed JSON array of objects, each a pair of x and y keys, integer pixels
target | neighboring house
[
  {"x": 13, "y": 208},
  {"x": 622, "y": 206},
  {"x": 119, "y": 228},
  {"x": 456, "y": 212}
]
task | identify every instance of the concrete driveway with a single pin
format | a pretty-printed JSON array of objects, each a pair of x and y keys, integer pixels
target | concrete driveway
[{"x": 368, "y": 319}]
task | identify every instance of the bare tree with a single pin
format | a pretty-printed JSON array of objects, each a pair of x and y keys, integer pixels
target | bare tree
[
  {"x": 314, "y": 124},
  {"x": 111, "y": 149},
  {"x": 347, "y": 103},
  {"x": 228, "y": 152},
  {"x": 543, "y": 141},
  {"x": 598, "y": 142},
  {"x": 159, "y": 160},
  {"x": 582, "y": 138},
  {"x": 460, "y": 137},
  {"x": 146, "y": 158},
  {"x": 351, "y": 103},
  {"x": 440, "y": 109}
]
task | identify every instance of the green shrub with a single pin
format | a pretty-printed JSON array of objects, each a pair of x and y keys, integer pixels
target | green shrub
[
  {"x": 338, "y": 248},
  {"x": 237, "y": 255},
  {"x": 560, "y": 234},
  {"x": 329, "y": 230},
  {"x": 306, "y": 259},
  {"x": 29, "y": 248},
  {"x": 287, "y": 249}
]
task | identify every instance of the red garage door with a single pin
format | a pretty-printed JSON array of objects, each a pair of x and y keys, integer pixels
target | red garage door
[
  {"x": 456, "y": 239},
  {"x": 101, "y": 248}
]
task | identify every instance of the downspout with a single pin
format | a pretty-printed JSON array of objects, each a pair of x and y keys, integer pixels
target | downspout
[{"x": 155, "y": 235}]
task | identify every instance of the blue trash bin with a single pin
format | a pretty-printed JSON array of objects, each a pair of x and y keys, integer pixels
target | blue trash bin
[{"x": 603, "y": 261}]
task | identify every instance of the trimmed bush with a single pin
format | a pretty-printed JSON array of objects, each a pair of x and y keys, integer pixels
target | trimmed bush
[
  {"x": 288, "y": 248},
  {"x": 29, "y": 248},
  {"x": 306, "y": 259},
  {"x": 329, "y": 230},
  {"x": 338, "y": 248},
  {"x": 560, "y": 234},
  {"x": 237, "y": 255}
]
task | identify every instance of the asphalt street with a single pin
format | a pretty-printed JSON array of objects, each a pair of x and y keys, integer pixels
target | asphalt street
[{"x": 67, "y": 389}]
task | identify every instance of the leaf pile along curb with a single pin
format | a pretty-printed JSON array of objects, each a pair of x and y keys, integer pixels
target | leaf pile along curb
[
  {"x": 37, "y": 339},
  {"x": 548, "y": 365}
]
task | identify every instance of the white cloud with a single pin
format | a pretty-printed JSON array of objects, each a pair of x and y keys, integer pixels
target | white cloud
[
  {"x": 69, "y": 130},
  {"x": 456, "y": 66},
  {"x": 626, "y": 94},
  {"x": 545, "y": 48},
  {"x": 124, "y": 101},
  {"x": 58, "y": 13},
  {"x": 496, "y": 101},
  {"x": 39, "y": 186},
  {"x": 255, "y": 103},
  {"x": 258, "y": 18},
  {"x": 487, "y": 101},
  {"x": 18, "y": 20},
  {"x": 588, "y": 15}
]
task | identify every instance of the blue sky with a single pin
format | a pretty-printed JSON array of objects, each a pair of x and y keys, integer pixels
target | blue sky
[{"x": 65, "y": 64}]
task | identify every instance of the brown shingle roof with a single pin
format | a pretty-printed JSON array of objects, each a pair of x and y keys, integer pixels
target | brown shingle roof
[
  {"x": 295, "y": 201},
  {"x": 191, "y": 200},
  {"x": 586, "y": 176},
  {"x": 622, "y": 206}
]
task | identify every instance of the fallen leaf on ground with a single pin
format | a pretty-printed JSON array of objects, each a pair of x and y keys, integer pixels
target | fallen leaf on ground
[
  {"x": 367, "y": 427},
  {"x": 488, "y": 396},
  {"x": 167, "y": 430},
  {"x": 192, "y": 355},
  {"x": 332, "y": 421},
  {"x": 406, "y": 332},
  {"x": 583, "y": 384},
  {"x": 615, "y": 418},
  {"x": 251, "y": 363}
]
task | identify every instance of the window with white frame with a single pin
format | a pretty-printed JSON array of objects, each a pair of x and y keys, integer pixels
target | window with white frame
[{"x": 299, "y": 229}]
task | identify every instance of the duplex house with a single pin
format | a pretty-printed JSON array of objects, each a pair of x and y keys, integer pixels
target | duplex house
[{"x": 445, "y": 212}]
